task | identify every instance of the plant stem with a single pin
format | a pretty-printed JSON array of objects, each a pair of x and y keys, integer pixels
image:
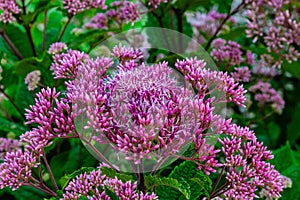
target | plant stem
[
  {"x": 64, "y": 28},
  {"x": 44, "y": 31},
  {"x": 11, "y": 45},
  {"x": 142, "y": 186},
  {"x": 159, "y": 20},
  {"x": 12, "y": 102},
  {"x": 29, "y": 35},
  {"x": 220, "y": 191},
  {"x": 179, "y": 16},
  {"x": 99, "y": 154},
  {"x": 50, "y": 171},
  {"x": 218, "y": 181},
  {"x": 156, "y": 167},
  {"x": 28, "y": 30},
  {"x": 236, "y": 10}
]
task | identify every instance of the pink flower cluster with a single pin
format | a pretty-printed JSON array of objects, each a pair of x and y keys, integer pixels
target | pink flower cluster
[
  {"x": 265, "y": 95},
  {"x": 65, "y": 64},
  {"x": 227, "y": 51},
  {"x": 120, "y": 12},
  {"x": 123, "y": 12},
  {"x": 32, "y": 79},
  {"x": 206, "y": 25},
  {"x": 143, "y": 112},
  {"x": 8, "y": 8},
  {"x": 15, "y": 171},
  {"x": 53, "y": 117},
  {"x": 248, "y": 170},
  {"x": 241, "y": 74},
  {"x": 280, "y": 32},
  {"x": 92, "y": 184},
  {"x": 76, "y": 6},
  {"x": 99, "y": 21},
  {"x": 156, "y": 3},
  {"x": 206, "y": 80},
  {"x": 57, "y": 47},
  {"x": 265, "y": 67},
  {"x": 8, "y": 145}
]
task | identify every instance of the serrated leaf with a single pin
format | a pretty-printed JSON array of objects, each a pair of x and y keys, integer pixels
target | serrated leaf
[
  {"x": 111, "y": 173},
  {"x": 198, "y": 181},
  {"x": 182, "y": 187},
  {"x": 63, "y": 181}
]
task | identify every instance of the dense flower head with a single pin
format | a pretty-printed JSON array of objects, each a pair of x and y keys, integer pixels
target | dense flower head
[
  {"x": 205, "y": 79},
  {"x": 76, "y": 6},
  {"x": 123, "y": 12},
  {"x": 15, "y": 171},
  {"x": 246, "y": 163},
  {"x": 266, "y": 67},
  {"x": 280, "y": 33},
  {"x": 99, "y": 21},
  {"x": 241, "y": 74},
  {"x": 57, "y": 47},
  {"x": 125, "y": 54},
  {"x": 91, "y": 185},
  {"x": 142, "y": 109},
  {"x": 8, "y": 8},
  {"x": 206, "y": 24},
  {"x": 227, "y": 51},
  {"x": 65, "y": 65},
  {"x": 265, "y": 95},
  {"x": 53, "y": 117},
  {"x": 32, "y": 79},
  {"x": 8, "y": 145}
]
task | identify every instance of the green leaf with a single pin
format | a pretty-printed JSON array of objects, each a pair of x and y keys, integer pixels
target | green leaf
[
  {"x": 185, "y": 5},
  {"x": 292, "y": 68},
  {"x": 9, "y": 126},
  {"x": 274, "y": 132},
  {"x": 110, "y": 193},
  {"x": 293, "y": 128},
  {"x": 182, "y": 186},
  {"x": 88, "y": 37},
  {"x": 83, "y": 198},
  {"x": 111, "y": 173},
  {"x": 198, "y": 181},
  {"x": 63, "y": 181},
  {"x": 234, "y": 33},
  {"x": 283, "y": 158},
  {"x": 17, "y": 35},
  {"x": 223, "y": 6},
  {"x": 292, "y": 172}
]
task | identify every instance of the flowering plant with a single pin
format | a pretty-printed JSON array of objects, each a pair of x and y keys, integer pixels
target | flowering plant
[{"x": 149, "y": 99}]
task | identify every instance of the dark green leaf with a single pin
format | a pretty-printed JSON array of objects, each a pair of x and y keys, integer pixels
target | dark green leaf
[
  {"x": 111, "y": 173},
  {"x": 185, "y": 5},
  {"x": 9, "y": 126},
  {"x": 293, "y": 127},
  {"x": 198, "y": 181},
  {"x": 63, "y": 181},
  {"x": 110, "y": 193},
  {"x": 182, "y": 187},
  {"x": 292, "y": 68}
]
